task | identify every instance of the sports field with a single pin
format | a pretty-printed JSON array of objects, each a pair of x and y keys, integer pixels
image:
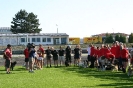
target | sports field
[{"x": 62, "y": 77}]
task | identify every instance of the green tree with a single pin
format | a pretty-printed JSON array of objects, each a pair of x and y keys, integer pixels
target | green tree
[
  {"x": 117, "y": 38},
  {"x": 122, "y": 39},
  {"x": 24, "y": 22},
  {"x": 130, "y": 39},
  {"x": 109, "y": 39}
]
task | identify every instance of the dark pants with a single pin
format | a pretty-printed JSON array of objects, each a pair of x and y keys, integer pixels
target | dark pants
[
  {"x": 92, "y": 62},
  {"x": 8, "y": 63},
  {"x": 68, "y": 58}
]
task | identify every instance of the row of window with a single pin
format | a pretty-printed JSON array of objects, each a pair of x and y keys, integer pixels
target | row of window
[
  {"x": 36, "y": 40},
  {"x": 63, "y": 40}
]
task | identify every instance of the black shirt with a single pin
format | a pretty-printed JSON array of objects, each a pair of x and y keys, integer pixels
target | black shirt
[
  {"x": 48, "y": 52},
  {"x": 54, "y": 53},
  {"x": 77, "y": 51},
  {"x": 68, "y": 51},
  {"x": 61, "y": 52}
]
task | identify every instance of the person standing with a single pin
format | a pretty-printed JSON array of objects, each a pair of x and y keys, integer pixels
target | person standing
[
  {"x": 31, "y": 58},
  {"x": 89, "y": 57},
  {"x": 55, "y": 56},
  {"x": 8, "y": 56},
  {"x": 48, "y": 56},
  {"x": 68, "y": 54},
  {"x": 41, "y": 56},
  {"x": 61, "y": 56},
  {"x": 77, "y": 54},
  {"x": 26, "y": 54}
]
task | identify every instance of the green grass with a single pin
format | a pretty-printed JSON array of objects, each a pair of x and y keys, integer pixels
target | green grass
[{"x": 64, "y": 77}]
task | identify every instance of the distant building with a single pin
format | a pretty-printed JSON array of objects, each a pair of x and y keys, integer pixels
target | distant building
[
  {"x": 36, "y": 38},
  {"x": 5, "y": 30},
  {"x": 103, "y": 35}
]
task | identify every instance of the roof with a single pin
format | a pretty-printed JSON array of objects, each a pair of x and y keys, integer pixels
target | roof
[{"x": 36, "y": 34}]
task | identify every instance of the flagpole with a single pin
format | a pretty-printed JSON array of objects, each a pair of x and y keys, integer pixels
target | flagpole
[{"x": 57, "y": 28}]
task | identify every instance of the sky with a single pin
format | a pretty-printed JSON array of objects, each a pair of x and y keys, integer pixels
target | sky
[{"x": 77, "y": 18}]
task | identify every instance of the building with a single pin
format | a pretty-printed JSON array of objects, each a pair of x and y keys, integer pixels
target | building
[
  {"x": 94, "y": 39},
  {"x": 74, "y": 40},
  {"x": 103, "y": 35},
  {"x": 5, "y": 30},
  {"x": 36, "y": 38}
]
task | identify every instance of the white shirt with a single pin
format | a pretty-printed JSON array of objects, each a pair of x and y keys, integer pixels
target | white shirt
[{"x": 89, "y": 50}]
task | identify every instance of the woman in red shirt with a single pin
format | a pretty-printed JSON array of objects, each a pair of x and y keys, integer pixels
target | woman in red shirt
[{"x": 8, "y": 56}]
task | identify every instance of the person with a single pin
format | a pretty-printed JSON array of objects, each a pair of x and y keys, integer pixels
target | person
[
  {"x": 77, "y": 55},
  {"x": 26, "y": 54},
  {"x": 31, "y": 57},
  {"x": 88, "y": 57},
  {"x": 124, "y": 57},
  {"x": 68, "y": 54},
  {"x": 48, "y": 56},
  {"x": 117, "y": 56},
  {"x": 61, "y": 55},
  {"x": 92, "y": 54},
  {"x": 8, "y": 56},
  {"x": 55, "y": 56},
  {"x": 41, "y": 56}
]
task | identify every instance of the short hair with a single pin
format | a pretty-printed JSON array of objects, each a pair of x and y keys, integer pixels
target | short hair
[{"x": 8, "y": 45}]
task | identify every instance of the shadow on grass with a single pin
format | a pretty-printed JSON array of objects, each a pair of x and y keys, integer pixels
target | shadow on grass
[
  {"x": 119, "y": 77},
  {"x": 118, "y": 85}
]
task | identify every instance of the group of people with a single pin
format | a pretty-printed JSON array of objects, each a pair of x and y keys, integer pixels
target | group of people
[
  {"x": 118, "y": 53},
  {"x": 36, "y": 57}
]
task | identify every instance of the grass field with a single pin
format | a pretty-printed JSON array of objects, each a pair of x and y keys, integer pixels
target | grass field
[{"x": 64, "y": 77}]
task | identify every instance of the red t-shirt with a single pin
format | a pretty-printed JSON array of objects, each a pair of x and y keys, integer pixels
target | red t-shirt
[
  {"x": 113, "y": 50},
  {"x": 8, "y": 53},
  {"x": 101, "y": 52},
  {"x": 92, "y": 51},
  {"x": 110, "y": 55},
  {"x": 26, "y": 53},
  {"x": 41, "y": 52},
  {"x": 98, "y": 53},
  {"x": 124, "y": 53},
  {"x": 106, "y": 50},
  {"x": 117, "y": 51}
]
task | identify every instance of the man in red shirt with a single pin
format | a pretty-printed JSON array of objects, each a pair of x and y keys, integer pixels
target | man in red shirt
[
  {"x": 26, "y": 54},
  {"x": 118, "y": 56},
  {"x": 92, "y": 56},
  {"x": 124, "y": 56},
  {"x": 8, "y": 56}
]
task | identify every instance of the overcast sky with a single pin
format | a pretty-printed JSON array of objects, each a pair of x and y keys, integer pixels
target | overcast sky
[{"x": 77, "y": 18}]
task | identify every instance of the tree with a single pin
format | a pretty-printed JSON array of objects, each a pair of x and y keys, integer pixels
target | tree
[
  {"x": 130, "y": 39},
  {"x": 122, "y": 39},
  {"x": 24, "y": 22},
  {"x": 109, "y": 39},
  {"x": 117, "y": 37}
]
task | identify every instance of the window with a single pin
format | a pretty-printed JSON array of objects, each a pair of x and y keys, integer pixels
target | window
[
  {"x": 43, "y": 39},
  {"x": 63, "y": 40},
  {"x": 48, "y": 39},
  {"x": 33, "y": 40},
  {"x": 28, "y": 39},
  {"x": 38, "y": 39},
  {"x": 22, "y": 39}
]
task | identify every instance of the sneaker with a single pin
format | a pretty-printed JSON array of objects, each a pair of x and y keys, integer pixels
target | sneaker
[{"x": 32, "y": 71}]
